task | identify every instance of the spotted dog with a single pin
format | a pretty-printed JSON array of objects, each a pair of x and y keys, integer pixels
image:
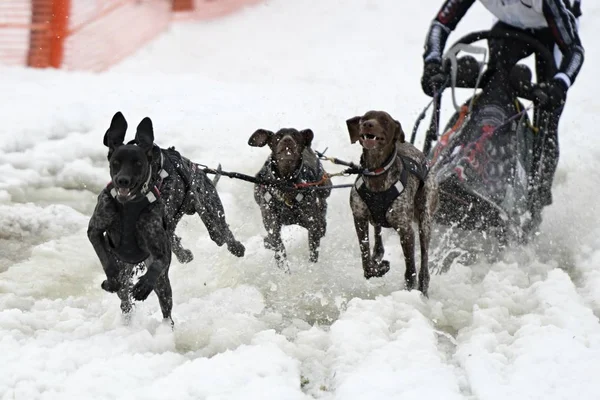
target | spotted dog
[
  {"x": 136, "y": 215},
  {"x": 293, "y": 162},
  {"x": 393, "y": 191}
]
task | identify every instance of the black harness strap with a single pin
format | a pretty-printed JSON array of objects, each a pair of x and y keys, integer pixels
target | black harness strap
[
  {"x": 307, "y": 172},
  {"x": 379, "y": 203},
  {"x": 128, "y": 248}
]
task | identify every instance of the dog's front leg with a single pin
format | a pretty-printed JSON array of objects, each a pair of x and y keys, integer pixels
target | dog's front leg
[
  {"x": 273, "y": 239},
  {"x": 378, "y": 249},
  {"x": 165, "y": 296},
  {"x": 104, "y": 214},
  {"x": 314, "y": 242},
  {"x": 156, "y": 241},
  {"x": 317, "y": 227},
  {"x": 361, "y": 225}
]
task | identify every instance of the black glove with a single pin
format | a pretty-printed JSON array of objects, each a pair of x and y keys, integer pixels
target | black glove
[
  {"x": 145, "y": 285},
  {"x": 433, "y": 78},
  {"x": 555, "y": 94},
  {"x": 111, "y": 285}
]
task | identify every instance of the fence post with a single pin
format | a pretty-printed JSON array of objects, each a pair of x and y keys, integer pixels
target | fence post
[
  {"x": 49, "y": 30},
  {"x": 59, "y": 30},
  {"x": 183, "y": 5}
]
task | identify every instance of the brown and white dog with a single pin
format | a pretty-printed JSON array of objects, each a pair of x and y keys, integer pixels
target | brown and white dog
[
  {"x": 393, "y": 191},
  {"x": 292, "y": 161}
]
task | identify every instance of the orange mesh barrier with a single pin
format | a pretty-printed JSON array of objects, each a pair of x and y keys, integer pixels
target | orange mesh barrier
[
  {"x": 103, "y": 32},
  {"x": 91, "y": 34},
  {"x": 208, "y": 9},
  {"x": 15, "y": 27}
]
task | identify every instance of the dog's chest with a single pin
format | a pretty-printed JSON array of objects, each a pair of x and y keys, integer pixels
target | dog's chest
[
  {"x": 379, "y": 192},
  {"x": 125, "y": 232},
  {"x": 289, "y": 203}
]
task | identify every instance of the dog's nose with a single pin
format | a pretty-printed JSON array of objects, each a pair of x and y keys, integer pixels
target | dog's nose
[
  {"x": 287, "y": 140},
  {"x": 368, "y": 124},
  {"x": 123, "y": 181}
]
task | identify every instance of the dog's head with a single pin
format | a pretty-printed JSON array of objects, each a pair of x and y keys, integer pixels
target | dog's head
[
  {"x": 287, "y": 146},
  {"x": 129, "y": 163},
  {"x": 376, "y": 130}
]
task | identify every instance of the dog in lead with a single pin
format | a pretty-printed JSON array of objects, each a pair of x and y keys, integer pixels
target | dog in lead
[{"x": 136, "y": 215}]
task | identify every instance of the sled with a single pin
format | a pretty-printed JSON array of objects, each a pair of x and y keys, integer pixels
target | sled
[{"x": 487, "y": 159}]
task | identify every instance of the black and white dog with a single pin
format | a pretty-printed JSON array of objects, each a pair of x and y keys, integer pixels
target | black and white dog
[{"x": 136, "y": 214}]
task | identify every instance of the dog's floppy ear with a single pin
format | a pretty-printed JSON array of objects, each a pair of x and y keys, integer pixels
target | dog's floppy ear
[
  {"x": 353, "y": 125},
  {"x": 398, "y": 132},
  {"x": 308, "y": 136},
  {"x": 115, "y": 135},
  {"x": 260, "y": 138},
  {"x": 145, "y": 134}
]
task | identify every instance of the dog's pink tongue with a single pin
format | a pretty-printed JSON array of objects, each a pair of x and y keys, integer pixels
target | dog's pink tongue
[{"x": 123, "y": 192}]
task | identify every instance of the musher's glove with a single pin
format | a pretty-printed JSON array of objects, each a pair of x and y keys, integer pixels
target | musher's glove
[
  {"x": 433, "y": 78},
  {"x": 556, "y": 94}
]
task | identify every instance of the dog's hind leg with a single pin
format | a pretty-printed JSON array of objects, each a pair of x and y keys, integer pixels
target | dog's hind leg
[
  {"x": 407, "y": 240},
  {"x": 426, "y": 201},
  {"x": 183, "y": 255},
  {"x": 210, "y": 208},
  {"x": 165, "y": 296},
  {"x": 424, "y": 239}
]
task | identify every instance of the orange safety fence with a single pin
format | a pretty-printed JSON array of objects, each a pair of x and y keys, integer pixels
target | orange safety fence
[
  {"x": 103, "y": 32},
  {"x": 91, "y": 35},
  {"x": 16, "y": 26},
  {"x": 208, "y": 9}
]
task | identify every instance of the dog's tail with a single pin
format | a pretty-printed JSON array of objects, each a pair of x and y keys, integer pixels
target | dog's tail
[{"x": 217, "y": 176}]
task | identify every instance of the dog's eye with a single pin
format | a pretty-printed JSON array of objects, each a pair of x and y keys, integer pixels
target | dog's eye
[
  {"x": 138, "y": 164},
  {"x": 116, "y": 163}
]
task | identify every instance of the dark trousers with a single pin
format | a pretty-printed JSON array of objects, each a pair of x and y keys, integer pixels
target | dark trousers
[{"x": 546, "y": 148}]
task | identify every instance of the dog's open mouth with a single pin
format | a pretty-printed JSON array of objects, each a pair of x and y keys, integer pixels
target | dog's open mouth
[
  {"x": 124, "y": 194},
  {"x": 368, "y": 140}
]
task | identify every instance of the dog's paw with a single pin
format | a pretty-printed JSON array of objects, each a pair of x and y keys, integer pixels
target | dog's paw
[
  {"x": 169, "y": 322},
  {"x": 111, "y": 285},
  {"x": 184, "y": 256},
  {"x": 410, "y": 282},
  {"x": 269, "y": 243},
  {"x": 284, "y": 265},
  {"x": 217, "y": 236},
  {"x": 236, "y": 248},
  {"x": 377, "y": 270},
  {"x": 313, "y": 257},
  {"x": 142, "y": 289}
]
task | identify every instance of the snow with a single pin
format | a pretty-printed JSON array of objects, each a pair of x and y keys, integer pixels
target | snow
[{"x": 525, "y": 327}]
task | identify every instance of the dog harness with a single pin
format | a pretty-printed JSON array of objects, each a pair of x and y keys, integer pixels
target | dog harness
[
  {"x": 308, "y": 172},
  {"x": 379, "y": 203},
  {"x": 128, "y": 248}
]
